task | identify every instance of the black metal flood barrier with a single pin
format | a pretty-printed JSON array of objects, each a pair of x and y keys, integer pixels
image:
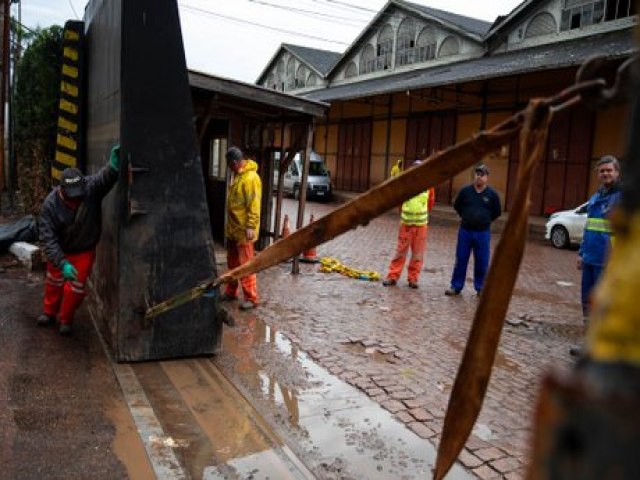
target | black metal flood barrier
[{"x": 156, "y": 238}]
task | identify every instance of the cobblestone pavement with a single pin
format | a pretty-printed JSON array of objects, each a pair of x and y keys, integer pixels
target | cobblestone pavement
[{"x": 402, "y": 347}]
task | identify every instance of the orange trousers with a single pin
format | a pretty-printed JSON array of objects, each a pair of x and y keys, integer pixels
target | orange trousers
[
  {"x": 239, "y": 254},
  {"x": 63, "y": 297},
  {"x": 409, "y": 237}
]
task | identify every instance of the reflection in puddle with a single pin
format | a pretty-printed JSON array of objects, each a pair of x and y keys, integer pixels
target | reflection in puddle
[{"x": 345, "y": 433}]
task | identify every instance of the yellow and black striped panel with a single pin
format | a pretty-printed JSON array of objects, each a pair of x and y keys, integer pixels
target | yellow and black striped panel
[{"x": 69, "y": 144}]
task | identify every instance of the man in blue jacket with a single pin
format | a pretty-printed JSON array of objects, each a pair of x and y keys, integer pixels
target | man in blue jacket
[{"x": 597, "y": 231}]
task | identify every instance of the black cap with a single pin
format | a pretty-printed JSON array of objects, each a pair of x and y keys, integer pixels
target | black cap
[
  {"x": 482, "y": 168},
  {"x": 234, "y": 154},
  {"x": 72, "y": 183}
]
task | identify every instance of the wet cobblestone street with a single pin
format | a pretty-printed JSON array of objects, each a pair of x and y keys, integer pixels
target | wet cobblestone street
[{"x": 402, "y": 347}]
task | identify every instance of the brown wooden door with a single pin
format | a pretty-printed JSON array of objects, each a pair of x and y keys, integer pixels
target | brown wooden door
[
  {"x": 561, "y": 181},
  {"x": 354, "y": 146},
  {"x": 428, "y": 134}
]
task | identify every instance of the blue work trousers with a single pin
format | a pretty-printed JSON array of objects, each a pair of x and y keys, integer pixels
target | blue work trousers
[
  {"x": 468, "y": 241},
  {"x": 590, "y": 276}
]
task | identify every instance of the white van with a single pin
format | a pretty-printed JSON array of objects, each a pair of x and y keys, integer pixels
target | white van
[{"x": 318, "y": 180}]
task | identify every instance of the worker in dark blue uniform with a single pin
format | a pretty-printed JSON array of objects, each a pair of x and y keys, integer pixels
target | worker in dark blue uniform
[{"x": 477, "y": 205}]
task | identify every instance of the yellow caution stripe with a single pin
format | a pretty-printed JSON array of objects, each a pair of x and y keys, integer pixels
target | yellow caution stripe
[
  {"x": 69, "y": 89},
  {"x": 71, "y": 35},
  {"x": 65, "y": 159},
  {"x": 70, "y": 53},
  {"x": 69, "y": 139},
  {"x": 67, "y": 125},
  {"x": 67, "y": 142},
  {"x": 69, "y": 71}
]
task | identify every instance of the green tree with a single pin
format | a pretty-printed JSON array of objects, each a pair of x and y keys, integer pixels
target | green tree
[{"x": 36, "y": 94}]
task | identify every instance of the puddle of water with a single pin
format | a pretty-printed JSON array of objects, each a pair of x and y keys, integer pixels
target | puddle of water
[
  {"x": 483, "y": 432},
  {"x": 373, "y": 353},
  {"x": 339, "y": 421}
]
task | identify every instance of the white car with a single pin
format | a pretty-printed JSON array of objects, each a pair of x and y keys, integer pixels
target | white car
[{"x": 567, "y": 226}]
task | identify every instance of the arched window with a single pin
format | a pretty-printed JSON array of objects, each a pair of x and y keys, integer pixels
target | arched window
[
  {"x": 301, "y": 76},
  {"x": 367, "y": 59},
  {"x": 449, "y": 46},
  {"x": 541, "y": 24},
  {"x": 280, "y": 75},
  {"x": 351, "y": 70},
  {"x": 291, "y": 74},
  {"x": 406, "y": 42},
  {"x": 426, "y": 45},
  {"x": 582, "y": 13},
  {"x": 312, "y": 80},
  {"x": 270, "y": 82},
  {"x": 384, "y": 48}
]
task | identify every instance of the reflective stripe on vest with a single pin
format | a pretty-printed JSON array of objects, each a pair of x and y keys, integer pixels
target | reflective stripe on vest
[
  {"x": 409, "y": 217},
  {"x": 601, "y": 225}
]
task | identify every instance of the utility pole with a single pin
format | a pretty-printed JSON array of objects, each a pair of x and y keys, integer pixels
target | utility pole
[{"x": 3, "y": 90}]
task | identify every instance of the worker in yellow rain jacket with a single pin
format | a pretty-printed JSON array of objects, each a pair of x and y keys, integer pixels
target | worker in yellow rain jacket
[
  {"x": 396, "y": 169},
  {"x": 414, "y": 217},
  {"x": 243, "y": 223}
]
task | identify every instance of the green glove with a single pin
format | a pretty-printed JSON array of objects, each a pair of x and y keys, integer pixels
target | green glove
[
  {"x": 69, "y": 272},
  {"x": 114, "y": 159}
]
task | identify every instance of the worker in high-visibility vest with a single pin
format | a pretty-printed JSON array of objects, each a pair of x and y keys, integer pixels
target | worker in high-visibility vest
[
  {"x": 414, "y": 217},
  {"x": 396, "y": 169},
  {"x": 597, "y": 231}
]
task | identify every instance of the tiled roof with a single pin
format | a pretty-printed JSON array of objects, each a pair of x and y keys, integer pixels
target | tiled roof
[
  {"x": 321, "y": 60},
  {"x": 473, "y": 25},
  {"x": 618, "y": 44}
]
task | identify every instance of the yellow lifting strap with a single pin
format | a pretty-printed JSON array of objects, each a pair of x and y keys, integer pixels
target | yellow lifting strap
[{"x": 328, "y": 265}]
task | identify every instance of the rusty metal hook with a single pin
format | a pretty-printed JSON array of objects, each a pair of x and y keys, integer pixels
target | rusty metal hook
[{"x": 621, "y": 88}]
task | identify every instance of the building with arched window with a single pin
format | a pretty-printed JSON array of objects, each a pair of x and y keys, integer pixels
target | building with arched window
[
  {"x": 305, "y": 68},
  {"x": 417, "y": 80}
]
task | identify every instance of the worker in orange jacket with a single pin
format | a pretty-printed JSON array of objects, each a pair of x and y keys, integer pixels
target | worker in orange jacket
[
  {"x": 414, "y": 217},
  {"x": 243, "y": 222}
]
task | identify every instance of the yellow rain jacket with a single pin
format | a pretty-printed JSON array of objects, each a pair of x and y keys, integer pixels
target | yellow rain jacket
[
  {"x": 396, "y": 169},
  {"x": 243, "y": 203}
]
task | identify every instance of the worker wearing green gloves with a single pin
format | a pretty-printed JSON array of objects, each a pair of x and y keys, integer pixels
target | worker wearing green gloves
[{"x": 70, "y": 227}]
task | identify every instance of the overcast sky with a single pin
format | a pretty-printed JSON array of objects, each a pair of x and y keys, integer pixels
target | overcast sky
[{"x": 236, "y": 38}]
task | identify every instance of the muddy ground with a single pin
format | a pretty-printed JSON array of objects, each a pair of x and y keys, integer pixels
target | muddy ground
[{"x": 61, "y": 409}]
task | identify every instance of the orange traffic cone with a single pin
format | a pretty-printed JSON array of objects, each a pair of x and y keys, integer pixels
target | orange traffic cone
[
  {"x": 285, "y": 232},
  {"x": 310, "y": 256},
  {"x": 285, "y": 227}
]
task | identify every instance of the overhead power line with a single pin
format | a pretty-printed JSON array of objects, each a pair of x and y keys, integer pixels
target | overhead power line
[
  {"x": 328, "y": 17},
  {"x": 259, "y": 25},
  {"x": 348, "y": 5},
  {"x": 74, "y": 10}
]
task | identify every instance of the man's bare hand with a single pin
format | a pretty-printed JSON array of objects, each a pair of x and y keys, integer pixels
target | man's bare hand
[
  {"x": 579, "y": 263},
  {"x": 250, "y": 233}
]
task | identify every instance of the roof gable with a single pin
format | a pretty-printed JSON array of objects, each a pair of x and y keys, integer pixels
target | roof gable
[
  {"x": 468, "y": 24},
  {"x": 322, "y": 61},
  {"x": 514, "y": 16},
  {"x": 319, "y": 61},
  {"x": 467, "y": 27}
]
